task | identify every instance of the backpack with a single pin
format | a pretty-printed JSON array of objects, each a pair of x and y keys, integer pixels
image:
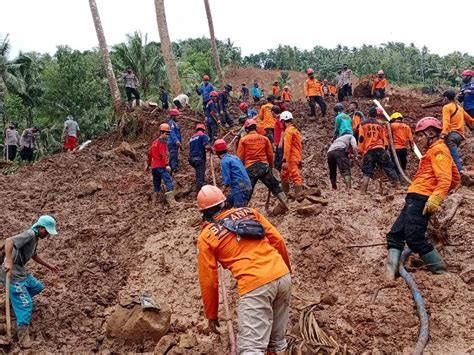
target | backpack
[{"x": 244, "y": 228}]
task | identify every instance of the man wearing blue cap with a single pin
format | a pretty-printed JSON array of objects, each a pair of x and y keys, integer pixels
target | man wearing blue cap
[{"x": 19, "y": 249}]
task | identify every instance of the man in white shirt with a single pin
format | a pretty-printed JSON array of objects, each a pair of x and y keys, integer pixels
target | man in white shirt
[{"x": 181, "y": 101}]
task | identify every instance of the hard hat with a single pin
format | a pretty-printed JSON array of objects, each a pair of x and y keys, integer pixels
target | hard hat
[
  {"x": 174, "y": 112},
  {"x": 220, "y": 145},
  {"x": 209, "y": 196},
  {"x": 379, "y": 111},
  {"x": 228, "y": 87},
  {"x": 285, "y": 87},
  {"x": 214, "y": 94},
  {"x": 243, "y": 106},
  {"x": 395, "y": 115},
  {"x": 468, "y": 72},
  {"x": 380, "y": 72},
  {"x": 310, "y": 71},
  {"x": 286, "y": 116},
  {"x": 249, "y": 122},
  {"x": 450, "y": 94},
  {"x": 205, "y": 77},
  {"x": 427, "y": 122},
  {"x": 339, "y": 107},
  {"x": 48, "y": 223},
  {"x": 200, "y": 126},
  {"x": 165, "y": 127}
]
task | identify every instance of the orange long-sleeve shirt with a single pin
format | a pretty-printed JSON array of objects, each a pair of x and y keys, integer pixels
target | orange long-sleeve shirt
[
  {"x": 266, "y": 117},
  {"x": 379, "y": 84},
  {"x": 292, "y": 148},
  {"x": 286, "y": 95},
  {"x": 402, "y": 135},
  {"x": 275, "y": 90},
  {"x": 332, "y": 89},
  {"x": 371, "y": 135},
  {"x": 437, "y": 174},
  {"x": 312, "y": 87},
  {"x": 356, "y": 119},
  {"x": 255, "y": 148},
  {"x": 253, "y": 263},
  {"x": 454, "y": 120}
]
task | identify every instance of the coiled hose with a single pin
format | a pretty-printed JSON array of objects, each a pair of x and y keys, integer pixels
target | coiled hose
[{"x": 424, "y": 333}]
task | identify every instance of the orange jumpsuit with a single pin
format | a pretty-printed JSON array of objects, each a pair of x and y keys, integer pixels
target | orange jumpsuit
[
  {"x": 254, "y": 148},
  {"x": 313, "y": 87},
  {"x": 379, "y": 84},
  {"x": 275, "y": 90},
  {"x": 453, "y": 120},
  {"x": 292, "y": 155},
  {"x": 286, "y": 96},
  {"x": 402, "y": 135},
  {"x": 253, "y": 263},
  {"x": 265, "y": 116}
]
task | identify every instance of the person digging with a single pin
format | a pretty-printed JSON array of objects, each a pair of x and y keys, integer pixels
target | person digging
[
  {"x": 436, "y": 176},
  {"x": 19, "y": 249}
]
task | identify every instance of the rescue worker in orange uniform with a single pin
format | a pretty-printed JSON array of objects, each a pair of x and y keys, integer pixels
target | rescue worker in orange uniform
[
  {"x": 286, "y": 95},
  {"x": 436, "y": 176},
  {"x": 256, "y": 152},
  {"x": 402, "y": 137},
  {"x": 292, "y": 156},
  {"x": 379, "y": 85},
  {"x": 260, "y": 265},
  {"x": 276, "y": 89},
  {"x": 356, "y": 118},
  {"x": 265, "y": 119},
  {"x": 454, "y": 118},
  {"x": 314, "y": 94},
  {"x": 372, "y": 143}
]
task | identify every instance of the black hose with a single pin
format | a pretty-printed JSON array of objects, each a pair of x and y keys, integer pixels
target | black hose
[{"x": 424, "y": 333}]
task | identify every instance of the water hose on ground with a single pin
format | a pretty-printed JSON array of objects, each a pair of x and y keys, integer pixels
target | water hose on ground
[{"x": 420, "y": 304}]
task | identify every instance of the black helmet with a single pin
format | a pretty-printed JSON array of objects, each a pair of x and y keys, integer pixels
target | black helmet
[
  {"x": 339, "y": 107},
  {"x": 449, "y": 94},
  {"x": 228, "y": 87}
]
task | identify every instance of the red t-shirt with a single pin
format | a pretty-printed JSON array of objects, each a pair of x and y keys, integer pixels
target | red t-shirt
[
  {"x": 279, "y": 128},
  {"x": 158, "y": 154}
]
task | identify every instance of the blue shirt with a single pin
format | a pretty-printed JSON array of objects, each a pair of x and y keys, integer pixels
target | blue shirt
[
  {"x": 468, "y": 99},
  {"x": 164, "y": 96},
  {"x": 256, "y": 92},
  {"x": 175, "y": 132},
  {"x": 205, "y": 91},
  {"x": 343, "y": 124},
  {"x": 251, "y": 112},
  {"x": 223, "y": 99},
  {"x": 197, "y": 145},
  {"x": 211, "y": 107},
  {"x": 245, "y": 92},
  {"x": 234, "y": 174}
]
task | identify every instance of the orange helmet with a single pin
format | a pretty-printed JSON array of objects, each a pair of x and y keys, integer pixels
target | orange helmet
[
  {"x": 165, "y": 127},
  {"x": 209, "y": 196},
  {"x": 213, "y": 93},
  {"x": 427, "y": 122},
  {"x": 310, "y": 71},
  {"x": 174, "y": 112},
  {"x": 220, "y": 145},
  {"x": 243, "y": 106},
  {"x": 200, "y": 126}
]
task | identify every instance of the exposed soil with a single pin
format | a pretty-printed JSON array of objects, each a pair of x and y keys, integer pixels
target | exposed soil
[{"x": 115, "y": 243}]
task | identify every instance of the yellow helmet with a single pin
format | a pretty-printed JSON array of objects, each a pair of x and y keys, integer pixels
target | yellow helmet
[{"x": 395, "y": 115}]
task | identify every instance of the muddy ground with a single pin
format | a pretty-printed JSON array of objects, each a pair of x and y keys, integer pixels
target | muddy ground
[{"x": 114, "y": 243}]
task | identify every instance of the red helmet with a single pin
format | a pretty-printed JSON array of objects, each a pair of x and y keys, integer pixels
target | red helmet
[
  {"x": 220, "y": 145},
  {"x": 243, "y": 106},
  {"x": 249, "y": 122},
  {"x": 380, "y": 72},
  {"x": 200, "y": 126},
  {"x": 214, "y": 94},
  {"x": 310, "y": 71},
  {"x": 165, "y": 127},
  {"x": 468, "y": 72},
  {"x": 427, "y": 122},
  {"x": 209, "y": 196},
  {"x": 174, "y": 112},
  {"x": 205, "y": 77}
]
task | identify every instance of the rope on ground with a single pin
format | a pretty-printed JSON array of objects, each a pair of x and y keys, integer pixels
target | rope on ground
[
  {"x": 312, "y": 339},
  {"x": 420, "y": 305}
]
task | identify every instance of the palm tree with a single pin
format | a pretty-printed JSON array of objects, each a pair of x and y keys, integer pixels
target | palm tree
[
  {"x": 170, "y": 64},
  {"x": 215, "y": 53},
  {"x": 114, "y": 90}
]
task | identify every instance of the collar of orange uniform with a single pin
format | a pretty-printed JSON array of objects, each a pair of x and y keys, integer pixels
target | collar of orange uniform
[
  {"x": 252, "y": 132},
  {"x": 439, "y": 141}
]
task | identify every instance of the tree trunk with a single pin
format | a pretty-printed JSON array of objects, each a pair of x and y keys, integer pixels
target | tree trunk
[
  {"x": 171, "y": 70},
  {"x": 215, "y": 53},
  {"x": 114, "y": 90}
]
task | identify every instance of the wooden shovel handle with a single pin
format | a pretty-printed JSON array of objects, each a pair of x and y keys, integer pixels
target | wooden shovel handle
[{"x": 7, "y": 305}]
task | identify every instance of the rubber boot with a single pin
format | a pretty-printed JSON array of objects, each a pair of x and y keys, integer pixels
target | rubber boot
[
  {"x": 24, "y": 340},
  {"x": 282, "y": 207},
  {"x": 299, "y": 196},
  {"x": 348, "y": 182},
  {"x": 286, "y": 187},
  {"x": 365, "y": 184},
  {"x": 169, "y": 197},
  {"x": 434, "y": 262},
  {"x": 393, "y": 259},
  {"x": 333, "y": 184}
]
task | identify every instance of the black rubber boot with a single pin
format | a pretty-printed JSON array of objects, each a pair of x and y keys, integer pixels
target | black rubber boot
[{"x": 434, "y": 262}]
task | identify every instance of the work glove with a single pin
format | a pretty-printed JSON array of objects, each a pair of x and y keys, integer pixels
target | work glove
[
  {"x": 433, "y": 204},
  {"x": 168, "y": 168}
]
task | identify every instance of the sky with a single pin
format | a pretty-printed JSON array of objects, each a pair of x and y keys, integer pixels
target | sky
[{"x": 253, "y": 25}]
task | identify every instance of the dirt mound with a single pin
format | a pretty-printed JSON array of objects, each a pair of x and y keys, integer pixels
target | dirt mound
[{"x": 114, "y": 243}]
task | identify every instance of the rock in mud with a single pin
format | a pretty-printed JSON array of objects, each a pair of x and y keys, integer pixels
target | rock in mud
[
  {"x": 89, "y": 189},
  {"x": 165, "y": 344},
  {"x": 311, "y": 210},
  {"x": 127, "y": 150},
  {"x": 188, "y": 341},
  {"x": 329, "y": 299},
  {"x": 135, "y": 325}
]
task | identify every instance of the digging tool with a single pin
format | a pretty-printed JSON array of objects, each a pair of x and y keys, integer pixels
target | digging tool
[
  {"x": 212, "y": 170},
  {"x": 6, "y": 328}
]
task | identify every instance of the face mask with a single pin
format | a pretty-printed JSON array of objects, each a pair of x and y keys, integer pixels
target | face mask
[{"x": 129, "y": 71}]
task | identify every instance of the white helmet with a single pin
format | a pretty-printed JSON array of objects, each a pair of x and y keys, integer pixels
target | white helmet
[{"x": 286, "y": 116}]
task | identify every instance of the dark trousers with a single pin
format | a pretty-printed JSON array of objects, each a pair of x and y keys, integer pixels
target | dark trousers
[
  {"x": 204, "y": 104},
  {"x": 238, "y": 199},
  {"x": 453, "y": 141},
  {"x": 26, "y": 154},
  {"x": 256, "y": 99},
  {"x": 10, "y": 152},
  {"x": 199, "y": 165},
  {"x": 212, "y": 129},
  {"x": 270, "y": 134},
  {"x": 161, "y": 174},
  {"x": 173, "y": 151},
  {"x": 165, "y": 105},
  {"x": 278, "y": 157},
  {"x": 338, "y": 159},
  {"x": 402, "y": 155},
  {"x": 411, "y": 226},
  {"x": 312, "y": 105},
  {"x": 225, "y": 117},
  {"x": 378, "y": 157},
  {"x": 135, "y": 93},
  {"x": 178, "y": 105},
  {"x": 261, "y": 171},
  {"x": 379, "y": 93},
  {"x": 346, "y": 90}
]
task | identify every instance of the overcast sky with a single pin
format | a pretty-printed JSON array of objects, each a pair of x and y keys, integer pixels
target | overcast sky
[{"x": 253, "y": 25}]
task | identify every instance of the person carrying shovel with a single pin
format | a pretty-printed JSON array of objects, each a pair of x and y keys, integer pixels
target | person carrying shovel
[{"x": 19, "y": 249}]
